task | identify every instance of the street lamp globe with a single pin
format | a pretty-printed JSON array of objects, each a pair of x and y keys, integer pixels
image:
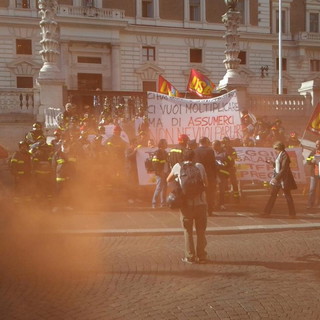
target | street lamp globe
[{"x": 231, "y": 4}]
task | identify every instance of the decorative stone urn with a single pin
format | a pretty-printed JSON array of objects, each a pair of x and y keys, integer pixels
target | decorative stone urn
[{"x": 231, "y": 4}]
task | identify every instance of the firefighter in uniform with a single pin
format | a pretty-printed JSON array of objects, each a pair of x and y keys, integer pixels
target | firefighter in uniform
[
  {"x": 176, "y": 154},
  {"x": 116, "y": 149},
  {"x": 293, "y": 141},
  {"x": 56, "y": 141},
  {"x": 20, "y": 167},
  {"x": 35, "y": 134},
  {"x": 41, "y": 160},
  {"x": 64, "y": 164}
]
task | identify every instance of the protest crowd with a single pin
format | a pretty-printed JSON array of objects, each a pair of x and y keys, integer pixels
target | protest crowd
[{"x": 80, "y": 159}]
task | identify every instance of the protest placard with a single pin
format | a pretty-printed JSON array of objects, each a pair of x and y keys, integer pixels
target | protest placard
[{"x": 214, "y": 118}]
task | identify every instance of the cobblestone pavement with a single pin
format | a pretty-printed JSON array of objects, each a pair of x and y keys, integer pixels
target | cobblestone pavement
[{"x": 250, "y": 276}]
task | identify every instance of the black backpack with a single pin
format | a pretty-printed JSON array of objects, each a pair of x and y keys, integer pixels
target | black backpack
[
  {"x": 191, "y": 180},
  {"x": 149, "y": 164}
]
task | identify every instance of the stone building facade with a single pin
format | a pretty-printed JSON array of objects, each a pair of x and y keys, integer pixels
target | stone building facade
[{"x": 123, "y": 45}]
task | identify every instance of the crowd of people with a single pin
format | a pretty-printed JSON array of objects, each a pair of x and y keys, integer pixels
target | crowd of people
[
  {"x": 79, "y": 159},
  {"x": 80, "y": 154},
  {"x": 259, "y": 132}
]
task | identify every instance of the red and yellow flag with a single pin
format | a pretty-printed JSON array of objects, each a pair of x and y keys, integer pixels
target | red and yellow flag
[
  {"x": 200, "y": 84},
  {"x": 314, "y": 122},
  {"x": 165, "y": 87}
]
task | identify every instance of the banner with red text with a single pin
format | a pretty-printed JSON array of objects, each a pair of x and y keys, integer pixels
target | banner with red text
[
  {"x": 200, "y": 84},
  {"x": 214, "y": 118},
  {"x": 251, "y": 164}
]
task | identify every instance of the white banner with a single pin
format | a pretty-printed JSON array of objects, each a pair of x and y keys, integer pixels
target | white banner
[
  {"x": 214, "y": 118},
  {"x": 251, "y": 164}
]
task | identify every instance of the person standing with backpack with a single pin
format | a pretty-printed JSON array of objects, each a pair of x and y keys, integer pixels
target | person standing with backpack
[{"x": 192, "y": 180}]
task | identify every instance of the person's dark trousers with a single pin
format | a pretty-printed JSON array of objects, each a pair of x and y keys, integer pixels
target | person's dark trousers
[
  {"x": 314, "y": 180},
  {"x": 198, "y": 215},
  {"x": 211, "y": 195},
  {"x": 234, "y": 183},
  {"x": 272, "y": 199}
]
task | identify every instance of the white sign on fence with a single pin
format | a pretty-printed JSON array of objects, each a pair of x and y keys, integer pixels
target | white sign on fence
[{"x": 251, "y": 164}]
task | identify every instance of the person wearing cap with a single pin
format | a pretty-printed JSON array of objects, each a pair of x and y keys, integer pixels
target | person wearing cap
[
  {"x": 204, "y": 154},
  {"x": 20, "y": 168},
  {"x": 282, "y": 179},
  {"x": 313, "y": 162},
  {"x": 176, "y": 154}
]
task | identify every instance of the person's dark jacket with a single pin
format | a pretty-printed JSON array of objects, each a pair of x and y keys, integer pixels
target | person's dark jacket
[
  {"x": 285, "y": 176},
  {"x": 160, "y": 161},
  {"x": 20, "y": 164},
  {"x": 64, "y": 165},
  {"x": 205, "y": 156}
]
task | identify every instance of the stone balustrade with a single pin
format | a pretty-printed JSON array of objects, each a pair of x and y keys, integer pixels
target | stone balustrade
[
  {"x": 306, "y": 36},
  {"x": 102, "y": 13},
  {"x": 284, "y": 105},
  {"x": 19, "y": 101}
]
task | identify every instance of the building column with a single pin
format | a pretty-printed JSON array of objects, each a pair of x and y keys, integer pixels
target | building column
[
  {"x": 156, "y": 9},
  {"x": 115, "y": 66}
]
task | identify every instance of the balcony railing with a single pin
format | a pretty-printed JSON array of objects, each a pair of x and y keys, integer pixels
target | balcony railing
[{"x": 101, "y": 13}]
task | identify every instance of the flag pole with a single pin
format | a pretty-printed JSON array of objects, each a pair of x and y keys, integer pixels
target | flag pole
[{"x": 280, "y": 91}]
